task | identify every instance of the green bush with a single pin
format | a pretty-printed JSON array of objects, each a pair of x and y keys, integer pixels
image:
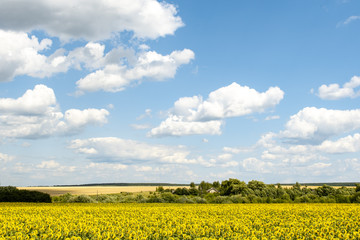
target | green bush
[
  {"x": 81, "y": 199},
  {"x": 199, "y": 200}
]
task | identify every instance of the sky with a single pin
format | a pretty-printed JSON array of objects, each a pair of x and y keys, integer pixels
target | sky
[{"x": 108, "y": 91}]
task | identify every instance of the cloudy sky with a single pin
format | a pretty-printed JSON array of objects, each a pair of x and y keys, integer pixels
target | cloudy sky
[{"x": 177, "y": 91}]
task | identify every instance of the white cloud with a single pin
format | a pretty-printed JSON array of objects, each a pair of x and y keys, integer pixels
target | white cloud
[
  {"x": 36, "y": 114},
  {"x": 5, "y": 157},
  {"x": 97, "y": 21},
  {"x": 225, "y": 156},
  {"x": 295, "y": 154},
  {"x": 19, "y": 55},
  {"x": 351, "y": 19},
  {"x": 33, "y": 102},
  {"x": 272, "y": 117},
  {"x": 314, "y": 125},
  {"x": 255, "y": 165},
  {"x": 145, "y": 115},
  {"x": 75, "y": 118},
  {"x": 176, "y": 126},
  {"x": 230, "y": 101},
  {"x": 107, "y": 166},
  {"x": 140, "y": 126},
  {"x": 231, "y": 150},
  {"x": 130, "y": 151},
  {"x": 343, "y": 145},
  {"x": 319, "y": 165},
  {"x": 148, "y": 65},
  {"x": 334, "y": 91},
  {"x": 143, "y": 169},
  {"x": 49, "y": 164},
  {"x": 230, "y": 164},
  {"x": 193, "y": 115},
  {"x": 224, "y": 175}
]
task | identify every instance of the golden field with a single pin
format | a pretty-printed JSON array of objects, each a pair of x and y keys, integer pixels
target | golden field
[
  {"x": 93, "y": 190},
  {"x": 179, "y": 221}
]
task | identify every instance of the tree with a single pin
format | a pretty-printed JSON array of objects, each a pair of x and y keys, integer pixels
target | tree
[
  {"x": 325, "y": 190},
  {"x": 203, "y": 186},
  {"x": 297, "y": 186},
  {"x": 160, "y": 189},
  {"x": 256, "y": 185},
  {"x": 357, "y": 188},
  {"x": 232, "y": 186},
  {"x": 216, "y": 184}
]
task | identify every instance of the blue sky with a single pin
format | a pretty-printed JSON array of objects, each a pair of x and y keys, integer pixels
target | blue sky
[{"x": 179, "y": 91}]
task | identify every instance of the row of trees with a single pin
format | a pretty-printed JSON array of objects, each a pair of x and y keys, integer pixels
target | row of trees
[
  {"x": 12, "y": 194},
  {"x": 257, "y": 191}
]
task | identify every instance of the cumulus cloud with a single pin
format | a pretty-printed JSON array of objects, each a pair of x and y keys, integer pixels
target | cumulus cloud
[
  {"x": 148, "y": 65},
  {"x": 112, "y": 149},
  {"x": 314, "y": 125},
  {"x": 176, "y": 126},
  {"x": 193, "y": 115},
  {"x": 342, "y": 145},
  {"x": 334, "y": 91},
  {"x": 20, "y": 55},
  {"x": 114, "y": 71},
  {"x": 230, "y": 101},
  {"x": 97, "y": 21},
  {"x": 36, "y": 114}
]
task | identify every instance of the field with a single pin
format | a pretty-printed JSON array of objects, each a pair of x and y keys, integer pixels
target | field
[
  {"x": 179, "y": 221},
  {"x": 93, "y": 190}
]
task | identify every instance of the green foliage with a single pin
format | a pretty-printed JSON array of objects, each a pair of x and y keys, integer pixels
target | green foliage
[
  {"x": 325, "y": 190},
  {"x": 204, "y": 186},
  {"x": 357, "y": 188},
  {"x": 232, "y": 187},
  {"x": 230, "y": 191},
  {"x": 181, "y": 191},
  {"x": 81, "y": 199},
  {"x": 160, "y": 189},
  {"x": 169, "y": 197},
  {"x": 12, "y": 194}
]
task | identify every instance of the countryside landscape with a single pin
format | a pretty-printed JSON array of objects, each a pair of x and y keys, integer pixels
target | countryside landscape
[{"x": 170, "y": 119}]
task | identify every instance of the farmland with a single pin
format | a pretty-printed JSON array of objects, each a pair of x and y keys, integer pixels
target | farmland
[{"x": 179, "y": 221}]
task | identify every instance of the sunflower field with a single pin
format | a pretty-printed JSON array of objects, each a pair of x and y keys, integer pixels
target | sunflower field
[{"x": 179, "y": 221}]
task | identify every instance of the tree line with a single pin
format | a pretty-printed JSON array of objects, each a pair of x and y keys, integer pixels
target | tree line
[
  {"x": 256, "y": 191},
  {"x": 12, "y": 194}
]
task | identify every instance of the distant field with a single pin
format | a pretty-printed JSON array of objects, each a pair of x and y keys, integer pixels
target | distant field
[{"x": 93, "y": 190}]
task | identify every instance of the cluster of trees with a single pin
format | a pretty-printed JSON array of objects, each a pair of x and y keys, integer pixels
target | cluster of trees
[
  {"x": 228, "y": 191},
  {"x": 12, "y": 194},
  {"x": 257, "y": 191}
]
